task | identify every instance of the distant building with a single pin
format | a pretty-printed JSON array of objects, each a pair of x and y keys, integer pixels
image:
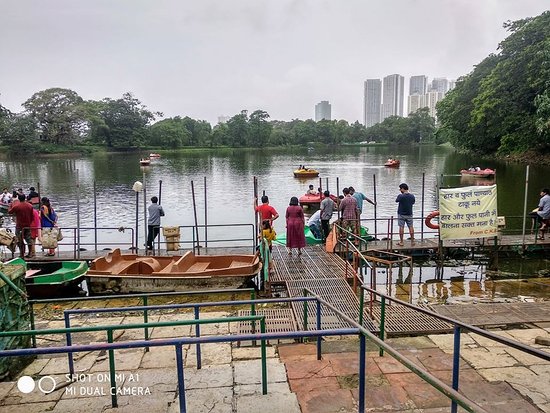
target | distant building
[
  {"x": 452, "y": 84},
  {"x": 432, "y": 98},
  {"x": 415, "y": 102},
  {"x": 418, "y": 85},
  {"x": 393, "y": 93},
  {"x": 223, "y": 119},
  {"x": 440, "y": 84},
  {"x": 322, "y": 111},
  {"x": 372, "y": 102}
]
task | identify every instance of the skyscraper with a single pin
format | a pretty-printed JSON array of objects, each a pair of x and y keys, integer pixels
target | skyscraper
[
  {"x": 440, "y": 84},
  {"x": 415, "y": 102},
  {"x": 418, "y": 85},
  {"x": 322, "y": 111},
  {"x": 393, "y": 96},
  {"x": 431, "y": 99},
  {"x": 373, "y": 101}
]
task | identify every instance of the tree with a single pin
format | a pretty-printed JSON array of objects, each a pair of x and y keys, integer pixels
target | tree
[
  {"x": 259, "y": 128},
  {"x": 237, "y": 129},
  {"x": 58, "y": 115},
  {"x": 170, "y": 133},
  {"x": 20, "y": 134}
]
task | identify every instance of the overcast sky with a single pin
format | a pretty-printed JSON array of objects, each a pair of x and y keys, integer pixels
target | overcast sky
[{"x": 206, "y": 58}]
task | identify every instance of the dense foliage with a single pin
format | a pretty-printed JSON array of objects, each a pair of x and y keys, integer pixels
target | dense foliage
[{"x": 503, "y": 105}]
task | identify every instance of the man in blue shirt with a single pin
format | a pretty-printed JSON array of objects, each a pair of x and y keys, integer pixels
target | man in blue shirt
[{"x": 405, "y": 212}]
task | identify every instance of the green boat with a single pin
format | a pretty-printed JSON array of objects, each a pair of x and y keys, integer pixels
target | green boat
[
  {"x": 50, "y": 279},
  {"x": 311, "y": 240}
]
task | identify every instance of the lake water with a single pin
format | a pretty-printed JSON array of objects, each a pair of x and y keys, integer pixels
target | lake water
[{"x": 229, "y": 185}]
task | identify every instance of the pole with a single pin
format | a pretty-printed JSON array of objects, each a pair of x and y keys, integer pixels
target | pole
[
  {"x": 95, "y": 216},
  {"x": 375, "y": 203},
  {"x": 144, "y": 211},
  {"x": 525, "y": 205},
  {"x": 137, "y": 221},
  {"x": 205, "y": 215},
  {"x": 78, "y": 213},
  {"x": 160, "y": 197},
  {"x": 422, "y": 207},
  {"x": 327, "y": 184},
  {"x": 196, "y": 220},
  {"x": 256, "y": 229}
]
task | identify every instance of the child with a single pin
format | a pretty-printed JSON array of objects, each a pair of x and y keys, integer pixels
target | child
[{"x": 268, "y": 233}]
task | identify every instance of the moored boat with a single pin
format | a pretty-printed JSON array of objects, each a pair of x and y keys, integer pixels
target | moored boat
[
  {"x": 314, "y": 199},
  {"x": 145, "y": 161},
  {"x": 154, "y": 155},
  {"x": 480, "y": 173},
  {"x": 392, "y": 163},
  {"x": 127, "y": 273},
  {"x": 306, "y": 173},
  {"x": 51, "y": 279}
]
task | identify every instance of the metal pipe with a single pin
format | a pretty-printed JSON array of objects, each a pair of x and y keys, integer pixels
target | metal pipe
[
  {"x": 160, "y": 198},
  {"x": 375, "y": 203},
  {"x": 112, "y": 370},
  {"x": 456, "y": 364},
  {"x": 181, "y": 378},
  {"x": 69, "y": 342},
  {"x": 318, "y": 326},
  {"x": 78, "y": 213},
  {"x": 422, "y": 207},
  {"x": 95, "y": 217},
  {"x": 145, "y": 234},
  {"x": 146, "y": 321},
  {"x": 205, "y": 215},
  {"x": 256, "y": 215},
  {"x": 525, "y": 206},
  {"x": 263, "y": 357},
  {"x": 196, "y": 219},
  {"x": 382, "y": 322},
  {"x": 137, "y": 221},
  {"x": 197, "y": 334},
  {"x": 362, "y": 372}
]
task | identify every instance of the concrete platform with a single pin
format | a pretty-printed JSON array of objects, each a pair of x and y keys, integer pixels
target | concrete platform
[{"x": 496, "y": 377}]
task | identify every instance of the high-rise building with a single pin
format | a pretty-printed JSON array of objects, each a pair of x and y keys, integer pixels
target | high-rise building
[
  {"x": 432, "y": 98},
  {"x": 415, "y": 102},
  {"x": 322, "y": 111},
  {"x": 393, "y": 96},
  {"x": 373, "y": 102},
  {"x": 452, "y": 84},
  {"x": 440, "y": 84},
  {"x": 418, "y": 85}
]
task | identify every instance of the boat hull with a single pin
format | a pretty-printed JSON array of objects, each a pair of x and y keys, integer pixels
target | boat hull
[
  {"x": 484, "y": 173},
  {"x": 302, "y": 173},
  {"x": 392, "y": 164}
]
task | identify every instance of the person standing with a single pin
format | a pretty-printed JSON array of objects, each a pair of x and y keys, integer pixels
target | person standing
[
  {"x": 24, "y": 217},
  {"x": 295, "y": 237},
  {"x": 48, "y": 221},
  {"x": 265, "y": 210},
  {"x": 327, "y": 208},
  {"x": 360, "y": 197},
  {"x": 406, "y": 201},
  {"x": 153, "y": 223},
  {"x": 35, "y": 230},
  {"x": 348, "y": 208}
]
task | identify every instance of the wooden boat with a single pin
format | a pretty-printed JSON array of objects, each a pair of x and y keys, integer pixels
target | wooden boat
[
  {"x": 127, "y": 273},
  {"x": 51, "y": 279},
  {"x": 482, "y": 173},
  {"x": 306, "y": 173},
  {"x": 313, "y": 200},
  {"x": 392, "y": 163},
  {"x": 154, "y": 155},
  {"x": 145, "y": 161}
]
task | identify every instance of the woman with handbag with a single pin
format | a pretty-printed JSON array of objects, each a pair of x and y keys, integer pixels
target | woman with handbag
[{"x": 48, "y": 219}]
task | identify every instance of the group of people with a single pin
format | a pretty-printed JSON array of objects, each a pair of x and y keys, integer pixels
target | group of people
[
  {"x": 349, "y": 206},
  {"x": 30, "y": 223}
]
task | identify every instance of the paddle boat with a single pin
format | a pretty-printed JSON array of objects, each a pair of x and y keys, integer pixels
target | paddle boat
[
  {"x": 145, "y": 161},
  {"x": 128, "y": 273},
  {"x": 480, "y": 173},
  {"x": 51, "y": 279},
  {"x": 314, "y": 199},
  {"x": 306, "y": 173},
  {"x": 154, "y": 155},
  {"x": 392, "y": 163}
]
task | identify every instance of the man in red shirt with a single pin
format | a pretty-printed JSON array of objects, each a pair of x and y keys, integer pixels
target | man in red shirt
[
  {"x": 24, "y": 216},
  {"x": 266, "y": 211}
]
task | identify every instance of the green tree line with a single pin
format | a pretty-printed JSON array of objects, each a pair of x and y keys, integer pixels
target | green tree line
[
  {"x": 503, "y": 105},
  {"x": 57, "y": 117}
]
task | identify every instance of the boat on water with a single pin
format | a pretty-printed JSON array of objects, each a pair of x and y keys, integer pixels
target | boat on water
[
  {"x": 392, "y": 163},
  {"x": 306, "y": 173},
  {"x": 314, "y": 199},
  {"x": 52, "y": 279},
  {"x": 128, "y": 273},
  {"x": 480, "y": 173},
  {"x": 145, "y": 161},
  {"x": 154, "y": 155}
]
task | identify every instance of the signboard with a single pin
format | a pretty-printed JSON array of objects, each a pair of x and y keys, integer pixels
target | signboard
[{"x": 468, "y": 212}]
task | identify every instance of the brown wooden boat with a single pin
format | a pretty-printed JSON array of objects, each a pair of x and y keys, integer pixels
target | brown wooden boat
[{"x": 128, "y": 273}]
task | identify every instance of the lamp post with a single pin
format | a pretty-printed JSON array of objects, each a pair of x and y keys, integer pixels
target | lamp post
[{"x": 137, "y": 188}]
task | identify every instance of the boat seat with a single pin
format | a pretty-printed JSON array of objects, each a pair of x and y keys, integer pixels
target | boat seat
[
  {"x": 198, "y": 266},
  {"x": 30, "y": 273},
  {"x": 239, "y": 264}
]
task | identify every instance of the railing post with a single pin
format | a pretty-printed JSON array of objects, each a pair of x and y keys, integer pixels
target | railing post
[
  {"x": 197, "y": 334},
  {"x": 253, "y": 312},
  {"x": 382, "y": 321},
  {"x": 69, "y": 342},
  {"x": 362, "y": 372},
  {"x": 456, "y": 364},
  {"x": 318, "y": 328},
  {"x": 146, "y": 320},
  {"x": 264, "y": 357},
  {"x": 112, "y": 374},
  {"x": 305, "y": 311},
  {"x": 361, "y": 305},
  {"x": 181, "y": 378},
  {"x": 33, "y": 337}
]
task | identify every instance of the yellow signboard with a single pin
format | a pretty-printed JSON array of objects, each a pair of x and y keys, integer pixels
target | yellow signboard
[{"x": 468, "y": 212}]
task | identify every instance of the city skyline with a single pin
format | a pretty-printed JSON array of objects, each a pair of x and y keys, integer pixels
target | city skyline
[{"x": 203, "y": 59}]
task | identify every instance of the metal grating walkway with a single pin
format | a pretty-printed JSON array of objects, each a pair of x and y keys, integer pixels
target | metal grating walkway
[
  {"x": 277, "y": 320},
  {"x": 497, "y": 314},
  {"x": 334, "y": 290},
  {"x": 401, "y": 320}
]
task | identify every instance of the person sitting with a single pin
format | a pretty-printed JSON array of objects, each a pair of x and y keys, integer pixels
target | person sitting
[
  {"x": 311, "y": 191},
  {"x": 471, "y": 169},
  {"x": 478, "y": 169},
  {"x": 542, "y": 213}
]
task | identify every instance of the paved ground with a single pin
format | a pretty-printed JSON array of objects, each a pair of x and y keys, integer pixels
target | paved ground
[{"x": 498, "y": 378}]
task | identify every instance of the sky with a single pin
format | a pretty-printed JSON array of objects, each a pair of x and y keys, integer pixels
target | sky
[{"x": 207, "y": 58}]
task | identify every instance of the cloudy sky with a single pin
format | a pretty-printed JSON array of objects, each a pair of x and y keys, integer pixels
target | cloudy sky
[{"x": 206, "y": 58}]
